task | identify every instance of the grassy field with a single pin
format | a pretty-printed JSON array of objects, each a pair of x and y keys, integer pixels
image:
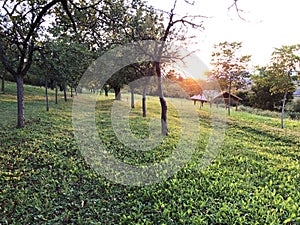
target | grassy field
[{"x": 44, "y": 179}]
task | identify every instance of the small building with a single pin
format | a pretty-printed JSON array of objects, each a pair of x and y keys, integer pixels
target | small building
[
  {"x": 296, "y": 94},
  {"x": 200, "y": 98},
  {"x": 224, "y": 98}
]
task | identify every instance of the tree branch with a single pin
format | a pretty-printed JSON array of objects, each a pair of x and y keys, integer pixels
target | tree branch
[
  {"x": 65, "y": 6},
  {"x": 238, "y": 11},
  {"x": 86, "y": 7},
  {"x": 191, "y": 3},
  {"x": 4, "y": 60},
  {"x": 38, "y": 19}
]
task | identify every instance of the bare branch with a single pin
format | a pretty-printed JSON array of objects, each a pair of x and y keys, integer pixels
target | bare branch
[
  {"x": 190, "y": 3},
  {"x": 174, "y": 6},
  {"x": 181, "y": 58},
  {"x": 236, "y": 8},
  {"x": 188, "y": 22}
]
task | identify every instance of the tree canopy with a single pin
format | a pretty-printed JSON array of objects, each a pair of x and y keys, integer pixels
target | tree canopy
[{"x": 229, "y": 66}]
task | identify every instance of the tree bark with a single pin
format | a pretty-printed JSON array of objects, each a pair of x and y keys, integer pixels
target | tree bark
[
  {"x": 46, "y": 94},
  {"x": 144, "y": 107},
  {"x": 20, "y": 99},
  {"x": 164, "y": 108},
  {"x": 56, "y": 93},
  {"x": 132, "y": 97},
  {"x": 65, "y": 92},
  {"x": 163, "y": 103},
  {"x": 2, "y": 84},
  {"x": 106, "y": 92},
  {"x": 282, "y": 110},
  {"x": 144, "y": 102},
  {"x": 229, "y": 96},
  {"x": 117, "y": 93}
]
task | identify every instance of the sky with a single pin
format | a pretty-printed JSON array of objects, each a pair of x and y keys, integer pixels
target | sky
[{"x": 268, "y": 24}]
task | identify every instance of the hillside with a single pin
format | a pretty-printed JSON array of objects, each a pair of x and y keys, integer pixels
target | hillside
[{"x": 254, "y": 179}]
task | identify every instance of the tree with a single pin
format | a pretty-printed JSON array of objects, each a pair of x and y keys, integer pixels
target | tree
[
  {"x": 21, "y": 26},
  {"x": 229, "y": 68},
  {"x": 191, "y": 86},
  {"x": 2, "y": 72},
  {"x": 44, "y": 67},
  {"x": 115, "y": 23},
  {"x": 149, "y": 73},
  {"x": 143, "y": 71},
  {"x": 116, "y": 82},
  {"x": 135, "y": 71},
  {"x": 284, "y": 63},
  {"x": 146, "y": 24},
  {"x": 261, "y": 95},
  {"x": 170, "y": 33}
]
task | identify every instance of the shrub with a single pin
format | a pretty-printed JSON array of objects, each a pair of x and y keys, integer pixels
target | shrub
[
  {"x": 259, "y": 112},
  {"x": 296, "y": 105},
  {"x": 245, "y": 95}
]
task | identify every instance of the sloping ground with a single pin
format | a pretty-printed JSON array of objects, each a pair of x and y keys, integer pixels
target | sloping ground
[{"x": 255, "y": 178}]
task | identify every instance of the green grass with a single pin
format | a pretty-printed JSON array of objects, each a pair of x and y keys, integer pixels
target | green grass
[{"x": 255, "y": 178}]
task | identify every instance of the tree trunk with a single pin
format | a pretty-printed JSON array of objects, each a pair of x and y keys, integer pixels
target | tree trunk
[
  {"x": 20, "y": 98},
  {"x": 229, "y": 97},
  {"x": 65, "y": 92},
  {"x": 164, "y": 108},
  {"x": 117, "y": 93},
  {"x": 282, "y": 110},
  {"x": 71, "y": 92},
  {"x": 2, "y": 84},
  {"x": 132, "y": 97},
  {"x": 163, "y": 103},
  {"x": 144, "y": 107},
  {"x": 56, "y": 93},
  {"x": 144, "y": 102},
  {"x": 46, "y": 94}
]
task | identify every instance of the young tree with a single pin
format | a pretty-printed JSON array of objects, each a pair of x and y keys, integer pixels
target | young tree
[
  {"x": 229, "y": 68},
  {"x": 44, "y": 70},
  {"x": 284, "y": 63}
]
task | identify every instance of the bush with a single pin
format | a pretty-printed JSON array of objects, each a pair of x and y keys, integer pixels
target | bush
[
  {"x": 296, "y": 105},
  {"x": 294, "y": 115},
  {"x": 259, "y": 112},
  {"x": 245, "y": 95}
]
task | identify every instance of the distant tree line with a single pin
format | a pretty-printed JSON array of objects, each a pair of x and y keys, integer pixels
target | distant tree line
[{"x": 269, "y": 88}]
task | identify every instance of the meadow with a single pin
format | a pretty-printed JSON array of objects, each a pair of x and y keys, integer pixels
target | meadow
[{"x": 44, "y": 179}]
